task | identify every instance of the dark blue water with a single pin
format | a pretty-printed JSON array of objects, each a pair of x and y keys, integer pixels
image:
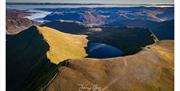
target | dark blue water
[{"x": 99, "y": 50}]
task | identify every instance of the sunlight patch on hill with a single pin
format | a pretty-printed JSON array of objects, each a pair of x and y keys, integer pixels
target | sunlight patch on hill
[{"x": 63, "y": 46}]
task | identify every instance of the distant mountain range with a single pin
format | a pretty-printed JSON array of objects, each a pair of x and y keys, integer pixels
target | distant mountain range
[
  {"x": 16, "y": 3},
  {"x": 13, "y": 3},
  {"x": 158, "y": 20},
  {"x": 15, "y": 21},
  {"x": 164, "y": 30},
  {"x": 112, "y": 14}
]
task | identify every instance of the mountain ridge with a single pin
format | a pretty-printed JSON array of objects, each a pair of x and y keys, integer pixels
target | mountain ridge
[
  {"x": 29, "y": 68},
  {"x": 148, "y": 70},
  {"x": 68, "y": 44}
]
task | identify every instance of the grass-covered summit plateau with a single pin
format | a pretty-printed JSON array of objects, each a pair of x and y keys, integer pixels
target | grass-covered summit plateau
[
  {"x": 63, "y": 46},
  {"x": 152, "y": 69}
]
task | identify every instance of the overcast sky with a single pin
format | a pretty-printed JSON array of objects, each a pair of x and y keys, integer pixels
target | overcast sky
[{"x": 101, "y": 1}]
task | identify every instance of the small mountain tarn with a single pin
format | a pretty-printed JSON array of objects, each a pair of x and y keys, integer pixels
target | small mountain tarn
[
  {"x": 99, "y": 50},
  {"x": 128, "y": 40}
]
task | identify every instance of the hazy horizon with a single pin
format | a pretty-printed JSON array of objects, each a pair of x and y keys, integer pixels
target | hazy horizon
[{"x": 96, "y": 1}]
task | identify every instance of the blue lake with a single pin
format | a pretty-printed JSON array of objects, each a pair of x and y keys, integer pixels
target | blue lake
[{"x": 99, "y": 50}]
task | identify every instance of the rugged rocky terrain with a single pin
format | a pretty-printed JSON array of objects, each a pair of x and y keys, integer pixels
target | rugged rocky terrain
[
  {"x": 46, "y": 58},
  {"x": 16, "y": 21},
  {"x": 158, "y": 19},
  {"x": 128, "y": 16},
  {"x": 87, "y": 17}
]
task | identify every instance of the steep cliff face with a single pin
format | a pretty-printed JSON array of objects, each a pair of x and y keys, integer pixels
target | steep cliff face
[
  {"x": 129, "y": 40},
  {"x": 33, "y": 56},
  {"x": 164, "y": 30},
  {"x": 27, "y": 65},
  {"x": 149, "y": 70}
]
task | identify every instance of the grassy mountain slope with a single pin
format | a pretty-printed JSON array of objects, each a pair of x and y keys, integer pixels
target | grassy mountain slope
[
  {"x": 31, "y": 56},
  {"x": 36, "y": 60},
  {"x": 63, "y": 46},
  {"x": 149, "y": 70}
]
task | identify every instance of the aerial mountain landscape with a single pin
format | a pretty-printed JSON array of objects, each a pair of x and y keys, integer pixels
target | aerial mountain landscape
[{"x": 89, "y": 47}]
